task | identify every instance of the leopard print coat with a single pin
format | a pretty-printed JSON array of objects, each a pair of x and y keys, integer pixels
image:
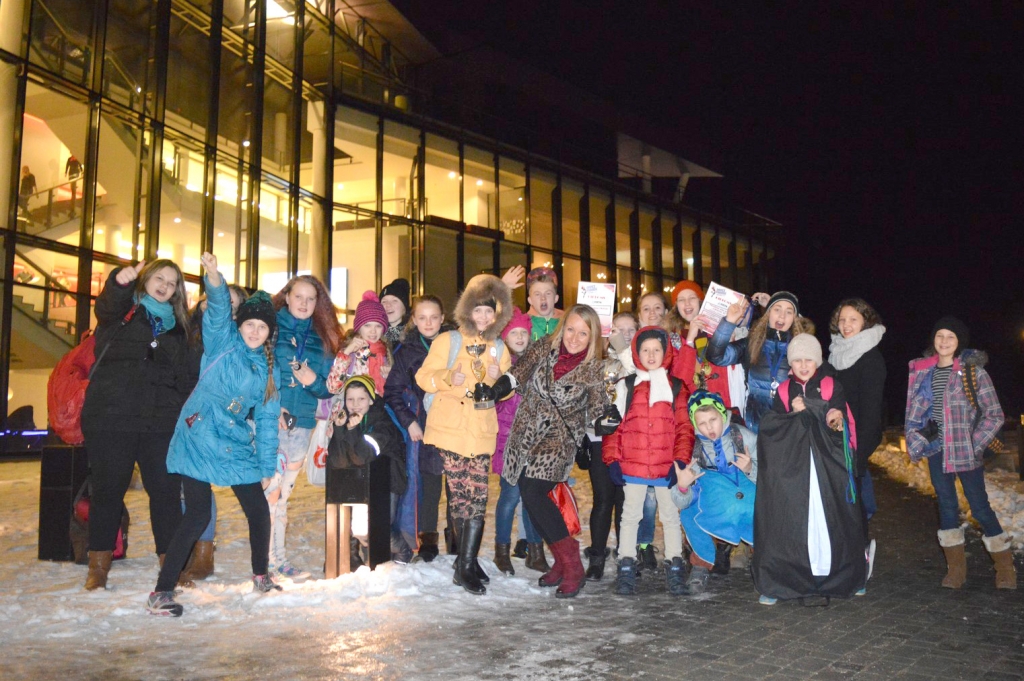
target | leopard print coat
[{"x": 539, "y": 445}]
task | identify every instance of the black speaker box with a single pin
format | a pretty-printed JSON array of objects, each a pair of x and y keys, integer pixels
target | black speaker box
[{"x": 62, "y": 471}]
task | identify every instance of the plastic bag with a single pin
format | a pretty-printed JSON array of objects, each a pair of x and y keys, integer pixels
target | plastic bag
[
  {"x": 316, "y": 455},
  {"x": 566, "y": 502}
]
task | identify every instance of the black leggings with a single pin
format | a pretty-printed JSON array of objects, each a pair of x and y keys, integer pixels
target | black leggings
[
  {"x": 543, "y": 512},
  {"x": 608, "y": 499},
  {"x": 197, "y": 517},
  {"x": 112, "y": 458},
  {"x": 430, "y": 485}
]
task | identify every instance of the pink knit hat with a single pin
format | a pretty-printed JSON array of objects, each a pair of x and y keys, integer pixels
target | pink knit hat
[
  {"x": 369, "y": 309},
  {"x": 520, "y": 320}
]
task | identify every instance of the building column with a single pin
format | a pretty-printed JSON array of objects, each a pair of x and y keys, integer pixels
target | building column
[{"x": 317, "y": 256}]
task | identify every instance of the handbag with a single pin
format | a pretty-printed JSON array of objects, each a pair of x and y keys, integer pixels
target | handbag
[
  {"x": 565, "y": 500},
  {"x": 316, "y": 454}
]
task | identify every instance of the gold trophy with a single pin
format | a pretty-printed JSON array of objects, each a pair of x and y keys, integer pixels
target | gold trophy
[
  {"x": 483, "y": 394},
  {"x": 611, "y": 378}
]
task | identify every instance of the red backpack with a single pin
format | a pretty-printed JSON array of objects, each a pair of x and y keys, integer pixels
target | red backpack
[
  {"x": 65, "y": 391},
  {"x": 827, "y": 388}
]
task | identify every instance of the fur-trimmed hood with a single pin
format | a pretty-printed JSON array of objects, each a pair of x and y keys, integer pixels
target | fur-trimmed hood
[{"x": 481, "y": 288}]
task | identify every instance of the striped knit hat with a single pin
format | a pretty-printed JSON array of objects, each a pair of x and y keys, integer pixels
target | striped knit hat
[{"x": 369, "y": 309}]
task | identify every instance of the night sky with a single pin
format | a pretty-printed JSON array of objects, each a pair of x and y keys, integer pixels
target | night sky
[{"x": 885, "y": 138}]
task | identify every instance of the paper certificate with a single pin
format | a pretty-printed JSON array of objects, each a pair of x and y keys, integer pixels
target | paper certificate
[
  {"x": 716, "y": 304},
  {"x": 601, "y": 297}
]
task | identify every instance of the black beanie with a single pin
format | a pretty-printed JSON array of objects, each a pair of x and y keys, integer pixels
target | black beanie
[
  {"x": 399, "y": 288},
  {"x": 649, "y": 332},
  {"x": 258, "y": 306},
  {"x": 963, "y": 336},
  {"x": 786, "y": 296}
]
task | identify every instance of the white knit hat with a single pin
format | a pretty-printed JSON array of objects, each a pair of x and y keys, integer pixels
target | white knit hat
[{"x": 804, "y": 346}]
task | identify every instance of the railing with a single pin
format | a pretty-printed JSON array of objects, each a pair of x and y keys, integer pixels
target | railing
[
  {"x": 53, "y": 207},
  {"x": 50, "y": 284}
]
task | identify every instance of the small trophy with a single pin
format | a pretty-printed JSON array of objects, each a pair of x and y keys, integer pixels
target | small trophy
[
  {"x": 611, "y": 378},
  {"x": 483, "y": 394}
]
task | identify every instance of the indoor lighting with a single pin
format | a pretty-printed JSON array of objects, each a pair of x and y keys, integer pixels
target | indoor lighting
[
  {"x": 177, "y": 221},
  {"x": 479, "y": 183},
  {"x": 451, "y": 175},
  {"x": 245, "y": 143},
  {"x": 99, "y": 231},
  {"x": 220, "y": 234}
]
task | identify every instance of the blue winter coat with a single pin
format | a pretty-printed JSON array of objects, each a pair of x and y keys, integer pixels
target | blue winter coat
[
  {"x": 214, "y": 439},
  {"x": 759, "y": 376},
  {"x": 297, "y": 400}
]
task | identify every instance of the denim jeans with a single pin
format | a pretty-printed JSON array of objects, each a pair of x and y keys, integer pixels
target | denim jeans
[
  {"x": 211, "y": 530},
  {"x": 974, "y": 489},
  {"x": 645, "y": 532},
  {"x": 505, "y": 511},
  {"x": 867, "y": 495}
]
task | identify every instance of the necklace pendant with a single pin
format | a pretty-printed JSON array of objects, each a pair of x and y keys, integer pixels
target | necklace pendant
[{"x": 154, "y": 344}]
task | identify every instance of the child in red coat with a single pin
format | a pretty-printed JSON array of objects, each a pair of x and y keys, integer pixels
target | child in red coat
[{"x": 655, "y": 431}]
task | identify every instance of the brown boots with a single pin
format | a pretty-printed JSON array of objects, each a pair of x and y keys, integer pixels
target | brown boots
[
  {"x": 99, "y": 567},
  {"x": 503, "y": 559},
  {"x": 535, "y": 558},
  {"x": 952, "y": 542},
  {"x": 200, "y": 563},
  {"x": 1000, "y": 549}
]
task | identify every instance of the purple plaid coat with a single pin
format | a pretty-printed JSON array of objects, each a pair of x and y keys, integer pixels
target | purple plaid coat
[{"x": 962, "y": 449}]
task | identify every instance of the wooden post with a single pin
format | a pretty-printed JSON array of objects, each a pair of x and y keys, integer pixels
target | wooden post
[{"x": 339, "y": 533}]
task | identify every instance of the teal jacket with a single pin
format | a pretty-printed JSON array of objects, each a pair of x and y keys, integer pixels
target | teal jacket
[
  {"x": 297, "y": 400},
  {"x": 226, "y": 434}
]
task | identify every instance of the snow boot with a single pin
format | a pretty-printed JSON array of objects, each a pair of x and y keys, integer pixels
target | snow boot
[
  {"x": 428, "y": 546},
  {"x": 625, "y": 577},
  {"x": 646, "y": 561},
  {"x": 99, "y": 566},
  {"x": 567, "y": 554},
  {"x": 952, "y": 543},
  {"x": 535, "y": 558},
  {"x": 697, "y": 581},
  {"x": 475, "y": 566},
  {"x": 675, "y": 577},
  {"x": 520, "y": 549},
  {"x": 595, "y": 563},
  {"x": 502, "y": 559},
  {"x": 723, "y": 556},
  {"x": 184, "y": 579},
  {"x": 162, "y": 603},
  {"x": 472, "y": 531},
  {"x": 1000, "y": 549},
  {"x": 200, "y": 564},
  {"x": 740, "y": 558}
]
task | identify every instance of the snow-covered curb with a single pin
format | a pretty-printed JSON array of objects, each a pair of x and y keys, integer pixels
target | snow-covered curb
[{"x": 1005, "y": 489}]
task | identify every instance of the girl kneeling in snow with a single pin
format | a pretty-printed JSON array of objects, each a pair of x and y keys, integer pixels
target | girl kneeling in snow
[
  {"x": 715, "y": 493},
  {"x": 227, "y": 432},
  {"x": 808, "y": 527}
]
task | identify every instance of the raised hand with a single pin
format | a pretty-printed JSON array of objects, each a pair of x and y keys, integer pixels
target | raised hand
[
  {"x": 458, "y": 378},
  {"x": 209, "y": 262},
  {"x": 696, "y": 326},
  {"x": 513, "y": 278},
  {"x": 493, "y": 371},
  {"x": 743, "y": 462},
  {"x": 129, "y": 274},
  {"x": 736, "y": 311}
]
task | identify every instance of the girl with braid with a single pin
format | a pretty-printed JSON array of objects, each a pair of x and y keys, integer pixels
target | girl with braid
[{"x": 226, "y": 434}]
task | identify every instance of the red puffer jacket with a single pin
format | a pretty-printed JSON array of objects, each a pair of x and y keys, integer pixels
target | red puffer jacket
[
  {"x": 684, "y": 365},
  {"x": 651, "y": 437}
]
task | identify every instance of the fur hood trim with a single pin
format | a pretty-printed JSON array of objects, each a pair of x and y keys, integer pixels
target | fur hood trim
[
  {"x": 481, "y": 288},
  {"x": 978, "y": 358}
]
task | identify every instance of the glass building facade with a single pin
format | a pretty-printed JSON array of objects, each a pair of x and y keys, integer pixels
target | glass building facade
[{"x": 281, "y": 136}]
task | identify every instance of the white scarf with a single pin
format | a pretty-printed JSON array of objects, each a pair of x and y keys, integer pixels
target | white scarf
[
  {"x": 843, "y": 353},
  {"x": 661, "y": 389}
]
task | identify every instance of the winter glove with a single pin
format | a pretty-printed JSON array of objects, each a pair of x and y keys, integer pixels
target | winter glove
[
  {"x": 618, "y": 342},
  {"x": 608, "y": 422},
  {"x": 672, "y": 477},
  {"x": 615, "y": 474},
  {"x": 502, "y": 387}
]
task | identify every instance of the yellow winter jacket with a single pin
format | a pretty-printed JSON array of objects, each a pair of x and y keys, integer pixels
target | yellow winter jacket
[{"x": 452, "y": 422}]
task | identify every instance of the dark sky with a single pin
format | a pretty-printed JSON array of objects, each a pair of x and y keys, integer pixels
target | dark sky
[{"x": 884, "y": 137}]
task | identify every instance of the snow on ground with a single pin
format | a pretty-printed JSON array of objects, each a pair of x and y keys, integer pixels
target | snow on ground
[
  {"x": 1005, "y": 489},
  {"x": 352, "y": 627}
]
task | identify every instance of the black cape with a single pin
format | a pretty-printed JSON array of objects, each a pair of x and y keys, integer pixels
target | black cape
[{"x": 781, "y": 567}]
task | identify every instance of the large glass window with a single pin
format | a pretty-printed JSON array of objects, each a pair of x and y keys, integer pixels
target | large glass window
[
  {"x": 128, "y": 71},
  {"x": 689, "y": 229},
  {"x": 724, "y": 243},
  {"x": 647, "y": 217},
  {"x": 188, "y": 76},
  {"x": 570, "y": 281},
  {"x": 599, "y": 201},
  {"x": 181, "y": 205},
  {"x": 396, "y": 260},
  {"x": 235, "y": 124},
  {"x": 65, "y": 46},
  {"x": 572, "y": 194},
  {"x": 442, "y": 178},
  {"x": 512, "y": 254},
  {"x": 353, "y": 260},
  {"x": 479, "y": 254},
  {"x": 706, "y": 234},
  {"x": 623, "y": 212},
  {"x": 511, "y": 199},
  {"x": 355, "y": 163},
  {"x": 278, "y": 132},
  {"x": 668, "y": 224},
  {"x": 281, "y": 32},
  {"x": 441, "y": 251},
  {"x": 122, "y": 181},
  {"x": 478, "y": 187},
  {"x": 400, "y": 169},
  {"x": 543, "y": 185},
  {"x": 231, "y": 218},
  {"x": 53, "y": 149},
  {"x": 274, "y": 252}
]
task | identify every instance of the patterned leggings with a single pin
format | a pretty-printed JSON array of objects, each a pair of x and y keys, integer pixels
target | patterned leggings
[{"x": 467, "y": 484}]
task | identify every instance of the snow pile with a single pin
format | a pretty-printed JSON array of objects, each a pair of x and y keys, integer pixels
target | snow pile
[{"x": 1005, "y": 489}]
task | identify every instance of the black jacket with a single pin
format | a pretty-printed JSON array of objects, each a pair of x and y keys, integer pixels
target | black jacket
[
  {"x": 135, "y": 388},
  {"x": 864, "y": 385},
  {"x": 401, "y": 384},
  {"x": 353, "y": 449}
]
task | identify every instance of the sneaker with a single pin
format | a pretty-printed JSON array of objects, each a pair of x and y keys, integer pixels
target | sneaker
[
  {"x": 675, "y": 577},
  {"x": 645, "y": 558},
  {"x": 162, "y": 603},
  {"x": 698, "y": 580},
  {"x": 863, "y": 591},
  {"x": 288, "y": 570},
  {"x": 767, "y": 600},
  {"x": 625, "y": 577},
  {"x": 870, "y": 554},
  {"x": 264, "y": 584}
]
